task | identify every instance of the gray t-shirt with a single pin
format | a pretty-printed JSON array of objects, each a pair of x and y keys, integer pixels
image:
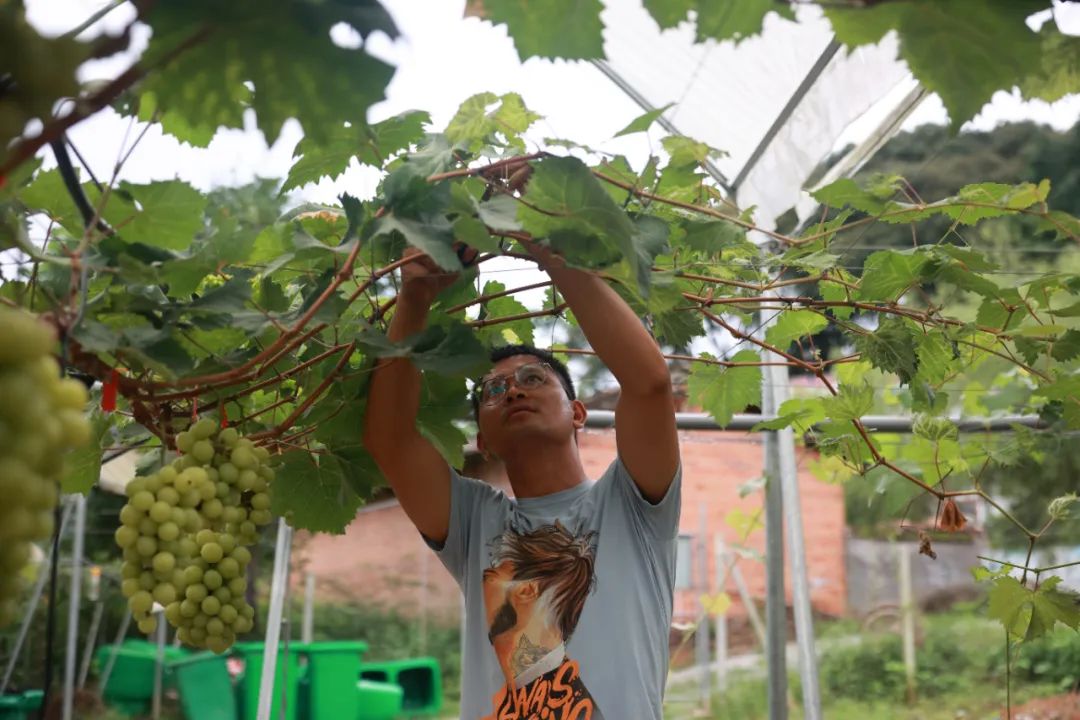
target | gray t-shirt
[{"x": 568, "y": 599}]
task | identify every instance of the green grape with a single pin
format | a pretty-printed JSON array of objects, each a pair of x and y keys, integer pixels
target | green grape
[
  {"x": 242, "y": 555},
  {"x": 228, "y": 614},
  {"x": 243, "y": 458},
  {"x": 229, "y": 568},
  {"x": 260, "y": 501},
  {"x": 164, "y": 562},
  {"x": 142, "y": 500},
  {"x": 141, "y": 602},
  {"x": 146, "y": 546},
  {"x": 213, "y": 509},
  {"x": 217, "y": 645},
  {"x": 237, "y": 586},
  {"x": 198, "y": 634},
  {"x": 126, "y": 536},
  {"x": 227, "y": 543},
  {"x": 214, "y": 626},
  {"x": 129, "y": 586},
  {"x": 203, "y": 451},
  {"x": 130, "y": 516},
  {"x": 189, "y": 608},
  {"x": 228, "y": 473},
  {"x": 168, "y": 531},
  {"x": 160, "y": 512},
  {"x": 192, "y": 574},
  {"x": 136, "y": 485},
  {"x": 147, "y": 625},
  {"x": 210, "y": 605},
  {"x": 147, "y": 581},
  {"x": 147, "y": 527},
  {"x": 164, "y": 594},
  {"x": 167, "y": 475},
  {"x": 200, "y": 620},
  {"x": 184, "y": 442},
  {"x": 211, "y": 552},
  {"x": 203, "y": 429},
  {"x": 212, "y": 579},
  {"x": 168, "y": 495},
  {"x": 196, "y": 593},
  {"x": 172, "y": 613},
  {"x": 229, "y": 436}
]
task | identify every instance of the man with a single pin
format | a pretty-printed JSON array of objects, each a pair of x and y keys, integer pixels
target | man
[{"x": 568, "y": 586}]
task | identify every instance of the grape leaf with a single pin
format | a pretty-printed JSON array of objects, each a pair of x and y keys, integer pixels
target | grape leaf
[
  {"x": 169, "y": 214},
  {"x": 276, "y": 58},
  {"x": 569, "y": 29},
  {"x": 477, "y": 123},
  {"x": 1058, "y": 74},
  {"x": 567, "y": 205},
  {"x": 834, "y": 291},
  {"x": 443, "y": 401},
  {"x": 669, "y": 13},
  {"x": 1067, "y": 347},
  {"x": 503, "y": 307},
  {"x": 1030, "y": 614},
  {"x": 722, "y": 392},
  {"x": 964, "y": 50},
  {"x": 793, "y": 324},
  {"x": 38, "y": 72},
  {"x": 82, "y": 467},
  {"x": 644, "y": 121},
  {"x": 847, "y": 193},
  {"x": 852, "y": 402},
  {"x": 936, "y": 357},
  {"x": 369, "y": 144},
  {"x": 891, "y": 348},
  {"x": 725, "y": 20},
  {"x": 311, "y": 493},
  {"x": 887, "y": 273}
]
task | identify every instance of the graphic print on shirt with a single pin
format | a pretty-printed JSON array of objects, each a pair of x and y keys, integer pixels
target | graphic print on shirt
[{"x": 534, "y": 591}]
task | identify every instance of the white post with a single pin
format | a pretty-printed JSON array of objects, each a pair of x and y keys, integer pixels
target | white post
[
  {"x": 720, "y": 621},
  {"x": 907, "y": 610},
  {"x": 273, "y": 621},
  {"x": 121, "y": 633},
  {"x": 159, "y": 662},
  {"x": 307, "y": 629},
  {"x": 91, "y": 642},
  {"x": 73, "y": 606},
  {"x": 701, "y": 638}
]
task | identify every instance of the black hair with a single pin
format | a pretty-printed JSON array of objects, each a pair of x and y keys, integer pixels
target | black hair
[{"x": 508, "y": 351}]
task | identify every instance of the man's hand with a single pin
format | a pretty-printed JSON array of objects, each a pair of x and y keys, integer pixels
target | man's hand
[{"x": 424, "y": 279}]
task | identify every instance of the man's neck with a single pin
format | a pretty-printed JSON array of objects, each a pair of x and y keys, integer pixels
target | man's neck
[{"x": 540, "y": 470}]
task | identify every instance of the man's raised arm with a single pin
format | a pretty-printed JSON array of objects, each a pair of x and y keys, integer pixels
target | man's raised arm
[
  {"x": 415, "y": 470},
  {"x": 645, "y": 414}
]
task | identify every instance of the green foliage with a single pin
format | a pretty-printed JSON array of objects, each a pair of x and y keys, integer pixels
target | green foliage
[
  {"x": 569, "y": 29},
  {"x": 722, "y": 392},
  {"x": 1030, "y": 613},
  {"x": 205, "y": 56}
]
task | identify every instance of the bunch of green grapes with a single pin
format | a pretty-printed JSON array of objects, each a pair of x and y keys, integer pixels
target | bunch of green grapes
[
  {"x": 185, "y": 531},
  {"x": 41, "y": 417}
]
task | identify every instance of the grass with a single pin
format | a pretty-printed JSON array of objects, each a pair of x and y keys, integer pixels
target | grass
[{"x": 746, "y": 700}]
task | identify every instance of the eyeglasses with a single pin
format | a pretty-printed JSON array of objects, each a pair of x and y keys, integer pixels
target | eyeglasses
[{"x": 528, "y": 376}]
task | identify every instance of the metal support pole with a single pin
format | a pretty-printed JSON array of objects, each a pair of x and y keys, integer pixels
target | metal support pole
[
  {"x": 784, "y": 448},
  {"x": 282, "y": 549},
  {"x": 159, "y": 664},
  {"x": 907, "y": 610},
  {"x": 751, "y": 609},
  {"x": 121, "y": 633},
  {"x": 35, "y": 598},
  {"x": 73, "y": 606},
  {"x": 307, "y": 629},
  {"x": 88, "y": 647},
  {"x": 720, "y": 621},
  {"x": 701, "y": 634},
  {"x": 775, "y": 602}
]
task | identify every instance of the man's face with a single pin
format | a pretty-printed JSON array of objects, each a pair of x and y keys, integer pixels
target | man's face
[
  {"x": 521, "y": 413},
  {"x": 509, "y": 607}
]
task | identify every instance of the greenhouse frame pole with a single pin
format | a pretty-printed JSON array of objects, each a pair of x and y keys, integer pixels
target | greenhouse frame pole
[
  {"x": 73, "y": 605},
  {"x": 775, "y": 596},
  {"x": 784, "y": 450},
  {"x": 282, "y": 551}
]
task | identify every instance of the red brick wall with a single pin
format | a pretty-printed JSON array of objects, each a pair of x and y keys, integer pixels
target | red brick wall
[{"x": 382, "y": 559}]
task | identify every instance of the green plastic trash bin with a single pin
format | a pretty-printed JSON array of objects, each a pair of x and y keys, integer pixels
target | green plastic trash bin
[
  {"x": 22, "y": 706},
  {"x": 130, "y": 687},
  {"x": 378, "y": 700},
  {"x": 206, "y": 690},
  {"x": 419, "y": 679},
  {"x": 332, "y": 669},
  {"x": 287, "y": 676}
]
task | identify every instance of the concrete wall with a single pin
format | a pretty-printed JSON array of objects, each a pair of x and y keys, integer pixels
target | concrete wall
[{"x": 872, "y": 571}]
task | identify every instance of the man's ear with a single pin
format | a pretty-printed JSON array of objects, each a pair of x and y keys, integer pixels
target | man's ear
[
  {"x": 580, "y": 413},
  {"x": 526, "y": 591}
]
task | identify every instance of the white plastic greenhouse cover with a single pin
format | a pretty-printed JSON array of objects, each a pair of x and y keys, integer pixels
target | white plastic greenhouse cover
[{"x": 777, "y": 103}]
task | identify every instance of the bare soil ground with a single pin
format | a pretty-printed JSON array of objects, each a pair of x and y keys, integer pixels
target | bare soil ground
[{"x": 1058, "y": 707}]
